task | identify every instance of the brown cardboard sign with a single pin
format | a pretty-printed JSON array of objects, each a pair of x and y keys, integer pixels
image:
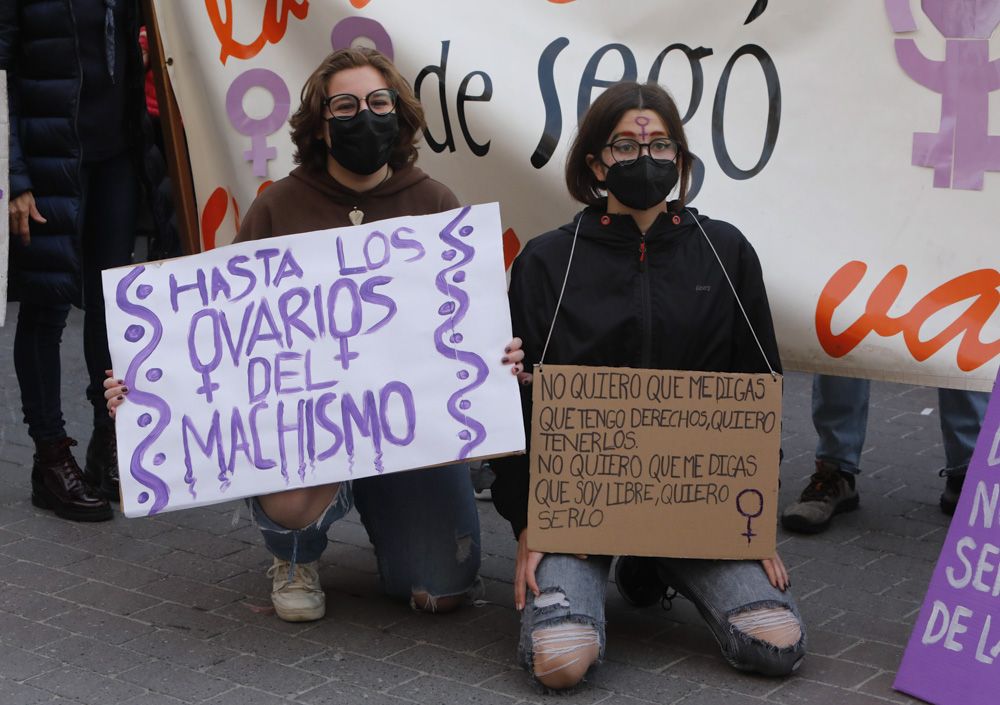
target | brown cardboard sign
[{"x": 654, "y": 462}]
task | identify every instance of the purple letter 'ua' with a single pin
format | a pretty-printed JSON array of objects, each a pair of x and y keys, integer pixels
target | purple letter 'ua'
[{"x": 962, "y": 150}]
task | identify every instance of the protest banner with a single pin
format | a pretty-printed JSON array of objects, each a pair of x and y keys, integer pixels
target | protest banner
[
  {"x": 953, "y": 656},
  {"x": 654, "y": 462},
  {"x": 841, "y": 138},
  {"x": 308, "y": 359}
]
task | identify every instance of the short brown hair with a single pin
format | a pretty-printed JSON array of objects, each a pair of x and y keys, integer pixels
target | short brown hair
[
  {"x": 308, "y": 121},
  {"x": 598, "y": 123}
]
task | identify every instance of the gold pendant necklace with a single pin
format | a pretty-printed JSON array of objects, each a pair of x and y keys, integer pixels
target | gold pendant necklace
[{"x": 357, "y": 215}]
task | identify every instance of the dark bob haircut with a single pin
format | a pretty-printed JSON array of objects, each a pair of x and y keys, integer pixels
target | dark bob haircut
[
  {"x": 307, "y": 122},
  {"x": 602, "y": 118}
]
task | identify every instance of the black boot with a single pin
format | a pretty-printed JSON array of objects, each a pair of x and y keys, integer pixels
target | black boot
[
  {"x": 101, "y": 468},
  {"x": 639, "y": 581},
  {"x": 57, "y": 484},
  {"x": 954, "y": 480}
]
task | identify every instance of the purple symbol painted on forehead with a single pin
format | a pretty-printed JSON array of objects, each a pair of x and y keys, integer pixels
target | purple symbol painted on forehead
[
  {"x": 463, "y": 374},
  {"x": 456, "y": 338},
  {"x": 260, "y": 153},
  {"x": 459, "y": 277},
  {"x": 447, "y": 308},
  {"x": 143, "y": 290},
  {"x": 159, "y": 459},
  {"x": 154, "y": 374},
  {"x": 448, "y": 255},
  {"x": 143, "y": 497},
  {"x": 350, "y": 29},
  {"x": 134, "y": 333},
  {"x": 145, "y": 420},
  {"x": 465, "y": 404},
  {"x": 642, "y": 121}
]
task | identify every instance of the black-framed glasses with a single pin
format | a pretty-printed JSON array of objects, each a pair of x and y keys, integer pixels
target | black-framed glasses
[
  {"x": 627, "y": 150},
  {"x": 344, "y": 106}
]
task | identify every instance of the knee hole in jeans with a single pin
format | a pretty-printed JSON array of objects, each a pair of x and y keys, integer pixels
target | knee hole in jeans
[
  {"x": 296, "y": 509},
  {"x": 777, "y": 626},
  {"x": 562, "y": 654}
]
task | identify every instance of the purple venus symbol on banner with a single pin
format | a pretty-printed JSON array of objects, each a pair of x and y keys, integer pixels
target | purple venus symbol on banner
[
  {"x": 260, "y": 153},
  {"x": 749, "y": 533},
  {"x": 962, "y": 150}
]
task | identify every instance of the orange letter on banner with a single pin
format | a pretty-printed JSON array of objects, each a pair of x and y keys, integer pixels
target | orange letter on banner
[
  {"x": 273, "y": 30},
  {"x": 982, "y": 285}
]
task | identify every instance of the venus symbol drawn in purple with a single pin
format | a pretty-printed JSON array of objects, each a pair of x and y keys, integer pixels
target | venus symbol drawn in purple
[
  {"x": 350, "y": 30},
  {"x": 962, "y": 150},
  {"x": 260, "y": 153},
  {"x": 750, "y": 515}
]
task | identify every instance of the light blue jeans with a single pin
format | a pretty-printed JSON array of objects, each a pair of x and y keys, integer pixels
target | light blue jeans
[
  {"x": 719, "y": 589},
  {"x": 840, "y": 415},
  {"x": 423, "y": 523}
]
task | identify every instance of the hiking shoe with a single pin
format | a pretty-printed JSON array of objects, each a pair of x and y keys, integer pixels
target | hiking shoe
[
  {"x": 830, "y": 491},
  {"x": 954, "y": 479},
  {"x": 295, "y": 592}
]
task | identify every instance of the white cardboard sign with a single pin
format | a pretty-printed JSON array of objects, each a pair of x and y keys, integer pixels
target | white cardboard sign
[{"x": 315, "y": 358}]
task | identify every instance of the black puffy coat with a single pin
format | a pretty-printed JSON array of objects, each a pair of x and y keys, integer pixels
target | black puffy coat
[
  {"x": 38, "y": 49},
  {"x": 654, "y": 301}
]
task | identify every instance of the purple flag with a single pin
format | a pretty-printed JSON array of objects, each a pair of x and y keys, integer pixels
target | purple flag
[{"x": 954, "y": 650}]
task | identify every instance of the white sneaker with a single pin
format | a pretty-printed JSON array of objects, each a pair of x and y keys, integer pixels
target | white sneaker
[{"x": 299, "y": 598}]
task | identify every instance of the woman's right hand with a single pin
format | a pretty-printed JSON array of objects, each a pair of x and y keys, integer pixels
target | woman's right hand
[
  {"x": 114, "y": 392},
  {"x": 21, "y": 211},
  {"x": 524, "y": 572}
]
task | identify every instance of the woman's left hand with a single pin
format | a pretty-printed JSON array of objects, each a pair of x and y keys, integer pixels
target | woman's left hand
[{"x": 777, "y": 574}]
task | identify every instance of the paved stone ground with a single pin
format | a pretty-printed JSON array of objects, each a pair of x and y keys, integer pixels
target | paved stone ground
[{"x": 173, "y": 610}]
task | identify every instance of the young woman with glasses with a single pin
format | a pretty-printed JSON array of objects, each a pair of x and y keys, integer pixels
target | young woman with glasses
[
  {"x": 355, "y": 135},
  {"x": 638, "y": 281}
]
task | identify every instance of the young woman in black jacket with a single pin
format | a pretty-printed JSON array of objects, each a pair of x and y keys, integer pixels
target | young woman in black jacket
[{"x": 635, "y": 281}]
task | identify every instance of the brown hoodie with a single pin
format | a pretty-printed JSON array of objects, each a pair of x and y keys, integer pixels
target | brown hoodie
[{"x": 307, "y": 200}]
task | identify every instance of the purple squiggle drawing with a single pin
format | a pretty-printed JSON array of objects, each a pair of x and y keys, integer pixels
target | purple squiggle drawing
[
  {"x": 455, "y": 316},
  {"x": 161, "y": 492}
]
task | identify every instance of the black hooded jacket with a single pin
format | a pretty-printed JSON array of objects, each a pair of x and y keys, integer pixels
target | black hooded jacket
[{"x": 659, "y": 301}]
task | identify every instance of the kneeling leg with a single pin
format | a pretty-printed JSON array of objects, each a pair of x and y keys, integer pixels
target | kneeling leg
[{"x": 562, "y": 629}]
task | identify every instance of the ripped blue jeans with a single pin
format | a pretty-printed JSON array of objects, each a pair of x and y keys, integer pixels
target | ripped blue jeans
[
  {"x": 573, "y": 592},
  {"x": 423, "y": 523}
]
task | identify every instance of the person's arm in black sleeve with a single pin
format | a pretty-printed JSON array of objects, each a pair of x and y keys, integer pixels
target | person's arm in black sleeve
[
  {"x": 9, "y": 38},
  {"x": 753, "y": 295},
  {"x": 511, "y": 486}
]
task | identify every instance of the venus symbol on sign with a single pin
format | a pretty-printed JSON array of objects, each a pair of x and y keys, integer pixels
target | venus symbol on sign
[{"x": 749, "y": 533}]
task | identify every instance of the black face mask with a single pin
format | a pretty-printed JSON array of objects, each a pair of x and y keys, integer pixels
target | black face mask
[
  {"x": 363, "y": 143},
  {"x": 643, "y": 183}
]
